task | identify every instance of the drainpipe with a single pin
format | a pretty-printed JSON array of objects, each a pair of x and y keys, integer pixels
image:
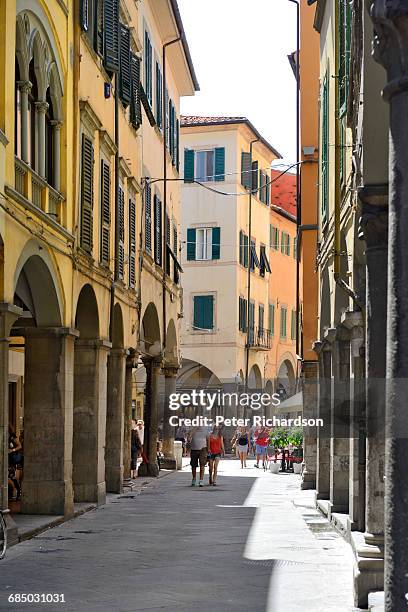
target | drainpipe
[
  {"x": 249, "y": 264},
  {"x": 164, "y": 242},
  {"x": 116, "y": 226}
]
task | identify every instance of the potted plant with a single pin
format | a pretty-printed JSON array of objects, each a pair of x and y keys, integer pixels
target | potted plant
[
  {"x": 278, "y": 438},
  {"x": 295, "y": 438}
]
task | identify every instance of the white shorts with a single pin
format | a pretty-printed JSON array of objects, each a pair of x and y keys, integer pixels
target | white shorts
[{"x": 242, "y": 449}]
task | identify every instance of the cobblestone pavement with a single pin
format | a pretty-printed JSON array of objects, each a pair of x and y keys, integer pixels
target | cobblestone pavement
[{"x": 254, "y": 542}]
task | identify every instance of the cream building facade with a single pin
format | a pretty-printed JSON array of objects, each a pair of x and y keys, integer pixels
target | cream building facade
[{"x": 216, "y": 338}]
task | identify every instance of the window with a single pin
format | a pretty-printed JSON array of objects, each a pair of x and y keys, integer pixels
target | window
[
  {"x": 203, "y": 166},
  {"x": 285, "y": 243},
  {"x": 263, "y": 261},
  {"x": 125, "y": 66},
  {"x": 324, "y": 161},
  {"x": 87, "y": 191},
  {"x": 105, "y": 213},
  {"x": 157, "y": 230},
  {"x": 203, "y": 312},
  {"x": 243, "y": 249},
  {"x": 295, "y": 247},
  {"x": 272, "y": 319},
  {"x": 254, "y": 185},
  {"x": 246, "y": 175},
  {"x": 148, "y": 58},
  {"x": 283, "y": 318},
  {"x": 159, "y": 97},
  {"x": 132, "y": 242},
  {"x": 274, "y": 237},
  {"x": 135, "y": 105},
  {"x": 264, "y": 187},
  {"x": 261, "y": 312},
  {"x": 251, "y": 322},
  {"x": 121, "y": 221},
  {"x": 254, "y": 257},
  {"x": 203, "y": 243},
  {"x": 100, "y": 22},
  {"x": 293, "y": 325},
  {"x": 148, "y": 218},
  {"x": 92, "y": 18},
  {"x": 242, "y": 314}
]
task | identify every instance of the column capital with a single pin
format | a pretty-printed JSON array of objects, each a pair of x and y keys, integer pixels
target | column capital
[
  {"x": 56, "y": 124},
  {"x": 329, "y": 337},
  {"x": 41, "y": 106},
  {"x": 352, "y": 319},
  {"x": 132, "y": 358},
  {"x": 317, "y": 346},
  {"x": 96, "y": 343},
  {"x": 24, "y": 86},
  {"x": 170, "y": 371},
  {"x": 373, "y": 224},
  {"x": 154, "y": 362},
  {"x": 390, "y": 45},
  {"x": 8, "y": 315}
]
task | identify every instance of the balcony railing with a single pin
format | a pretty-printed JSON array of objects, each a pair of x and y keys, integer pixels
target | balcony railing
[
  {"x": 36, "y": 189},
  {"x": 260, "y": 339}
]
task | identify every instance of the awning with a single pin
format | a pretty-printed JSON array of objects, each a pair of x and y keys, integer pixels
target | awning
[
  {"x": 254, "y": 257},
  {"x": 264, "y": 262}
]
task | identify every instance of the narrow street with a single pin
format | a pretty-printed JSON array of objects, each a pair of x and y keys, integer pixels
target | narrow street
[{"x": 254, "y": 542}]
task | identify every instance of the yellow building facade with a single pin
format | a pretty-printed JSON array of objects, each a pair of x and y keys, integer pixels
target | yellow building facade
[{"x": 89, "y": 271}]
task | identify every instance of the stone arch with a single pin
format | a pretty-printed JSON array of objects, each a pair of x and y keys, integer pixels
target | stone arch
[
  {"x": 36, "y": 286},
  {"x": 255, "y": 378},
  {"x": 87, "y": 314},
  {"x": 286, "y": 378},
  {"x": 269, "y": 387},
  {"x": 150, "y": 330},
  {"x": 194, "y": 374}
]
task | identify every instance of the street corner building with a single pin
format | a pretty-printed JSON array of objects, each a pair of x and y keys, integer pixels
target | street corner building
[
  {"x": 239, "y": 238},
  {"x": 89, "y": 233},
  {"x": 353, "y": 64}
]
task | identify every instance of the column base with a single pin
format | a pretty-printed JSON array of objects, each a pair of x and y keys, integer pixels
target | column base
[
  {"x": 48, "y": 497},
  {"x": 308, "y": 480},
  {"x": 148, "y": 469},
  {"x": 90, "y": 493},
  {"x": 368, "y": 566},
  {"x": 11, "y": 527},
  {"x": 169, "y": 463}
]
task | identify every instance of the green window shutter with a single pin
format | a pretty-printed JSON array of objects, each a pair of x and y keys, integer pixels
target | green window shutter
[
  {"x": 246, "y": 180},
  {"x": 111, "y": 28},
  {"x": 276, "y": 239},
  {"x": 216, "y": 242},
  {"x": 105, "y": 213},
  {"x": 132, "y": 243},
  {"x": 148, "y": 218},
  {"x": 246, "y": 242},
  {"x": 293, "y": 326},
  {"x": 325, "y": 149},
  {"x": 270, "y": 235},
  {"x": 135, "y": 106},
  {"x": 178, "y": 145},
  {"x": 254, "y": 185},
  {"x": 240, "y": 317},
  {"x": 125, "y": 69},
  {"x": 191, "y": 244},
  {"x": 267, "y": 190},
  {"x": 287, "y": 244},
  {"x": 87, "y": 193},
  {"x": 204, "y": 312},
  {"x": 188, "y": 165},
  {"x": 148, "y": 57},
  {"x": 345, "y": 16},
  {"x": 283, "y": 240},
  {"x": 159, "y": 94},
  {"x": 168, "y": 240},
  {"x": 157, "y": 230},
  {"x": 272, "y": 319},
  {"x": 220, "y": 164},
  {"x": 261, "y": 317},
  {"x": 295, "y": 248},
  {"x": 121, "y": 220},
  {"x": 85, "y": 15},
  {"x": 283, "y": 323},
  {"x": 241, "y": 248}
]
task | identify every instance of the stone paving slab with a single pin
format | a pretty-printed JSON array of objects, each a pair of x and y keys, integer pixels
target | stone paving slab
[{"x": 255, "y": 542}]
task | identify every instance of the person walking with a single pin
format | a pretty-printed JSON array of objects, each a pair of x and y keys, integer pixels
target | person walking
[
  {"x": 135, "y": 449},
  {"x": 198, "y": 455},
  {"x": 242, "y": 445},
  {"x": 216, "y": 449},
  {"x": 261, "y": 442}
]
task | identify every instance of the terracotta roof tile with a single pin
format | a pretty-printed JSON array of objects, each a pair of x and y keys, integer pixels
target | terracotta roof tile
[{"x": 283, "y": 191}]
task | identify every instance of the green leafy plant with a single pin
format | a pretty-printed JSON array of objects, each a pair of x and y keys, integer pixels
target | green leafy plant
[
  {"x": 295, "y": 436},
  {"x": 279, "y": 437}
]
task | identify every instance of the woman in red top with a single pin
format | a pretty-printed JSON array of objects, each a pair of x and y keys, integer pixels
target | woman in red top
[{"x": 215, "y": 445}]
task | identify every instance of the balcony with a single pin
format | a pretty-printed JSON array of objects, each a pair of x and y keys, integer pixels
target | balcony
[
  {"x": 260, "y": 339},
  {"x": 36, "y": 190}
]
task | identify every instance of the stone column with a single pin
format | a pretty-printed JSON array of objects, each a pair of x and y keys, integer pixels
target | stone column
[
  {"x": 41, "y": 108},
  {"x": 56, "y": 126},
  {"x": 310, "y": 411},
  {"x": 152, "y": 366},
  {"x": 48, "y": 420},
  {"x": 25, "y": 88},
  {"x": 170, "y": 374},
  {"x": 115, "y": 421},
  {"x": 89, "y": 427},
  {"x": 353, "y": 321},
  {"x": 131, "y": 363},
  {"x": 369, "y": 571},
  {"x": 391, "y": 50},
  {"x": 8, "y": 315},
  {"x": 340, "y": 422}
]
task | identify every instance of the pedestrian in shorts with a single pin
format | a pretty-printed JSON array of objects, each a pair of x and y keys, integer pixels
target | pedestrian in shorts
[{"x": 198, "y": 443}]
